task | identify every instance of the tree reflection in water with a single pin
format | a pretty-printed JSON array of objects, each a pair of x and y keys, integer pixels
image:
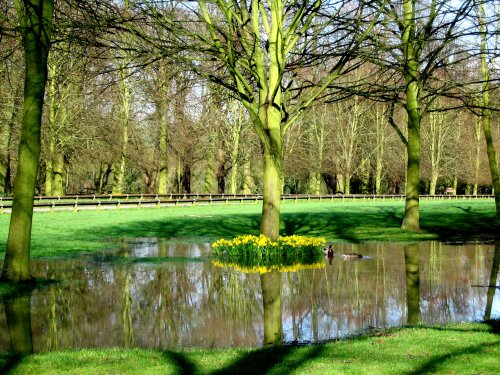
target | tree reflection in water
[
  {"x": 271, "y": 302},
  {"x": 412, "y": 267},
  {"x": 18, "y": 318},
  {"x": 492, "y": 285},
  {"x": 185, "y": 300}
]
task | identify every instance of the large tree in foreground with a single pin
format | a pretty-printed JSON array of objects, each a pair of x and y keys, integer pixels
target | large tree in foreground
[
  {"x": 261, "y": 51},
  {"x": 36, "y": 27}
]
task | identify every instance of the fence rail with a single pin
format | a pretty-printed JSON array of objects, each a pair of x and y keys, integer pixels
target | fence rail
[{"x": 110, "y": 201}]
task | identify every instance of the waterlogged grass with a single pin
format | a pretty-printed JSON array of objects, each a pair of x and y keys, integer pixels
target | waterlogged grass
[
  {"x": 68, "y": 233},
  {"x": 467, "y": 348}
]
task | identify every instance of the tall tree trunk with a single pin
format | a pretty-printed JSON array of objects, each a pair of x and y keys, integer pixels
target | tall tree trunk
[
  {"x": 59, "y": 174},
  {"x": 365, "y": 176},
  {"x": 340, "y": 184},
  {"x": 163, "y": 173},
  {"x": 186, "y": 180},
  {"x": 248, "y": 180},
  {"x": 51, "y": 94},
  {"x": 101, "y": 180},
  {"x": 49, "y": 171},
  {"x": 5, "y": 140},
  {"x": 321, "y": 153},
  {"x": 221, "y": 172},
  {"x": 36, "y": 20},
  {"x": 273, "y": 164},
  {"x": 235, "y": 149},
  {"x": 311, "y": 183},
  {"x": 119, "y": 168},
  {"x": 435, "y": 151},
  {"x": 317, "y": 140},
  {"x": 490, "y": 148},
  {"x": 411, "y": 219},
  {"x": 347, "y": 185},
  {"x": 4, "y": 157},
  {"x": 179, "y": 176},
  {"x": 380, "y": 150},
  {"x": 477, "y": 162},
  {"x": 433, "y": 183},
  {"x": 209, "y": 169}
]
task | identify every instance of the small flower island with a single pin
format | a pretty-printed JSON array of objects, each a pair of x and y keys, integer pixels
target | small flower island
[{"x": 252, "y": 254}]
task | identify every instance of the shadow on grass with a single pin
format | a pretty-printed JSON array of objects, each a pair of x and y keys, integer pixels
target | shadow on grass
[
  {"x": 331, "y": 224},
  {"x": 182, "y": 364},
  {"x": 8, "y": 361},
  {"x": 344, "y": 222},
  {"x": 351, "y": 224},
  {"x": 260, "y": 361},
  {"x": 494, "y": 325},
  {"x": 283, "y": 360},
  {"x": 435, "y": 362}
]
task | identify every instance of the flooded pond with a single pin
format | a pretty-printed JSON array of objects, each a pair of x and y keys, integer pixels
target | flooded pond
[{"x": 159, "y": 294}]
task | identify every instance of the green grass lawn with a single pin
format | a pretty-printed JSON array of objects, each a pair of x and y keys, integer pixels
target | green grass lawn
[
  {"x": 466, "y": 348},
  {"x": 69, "y": 233}
]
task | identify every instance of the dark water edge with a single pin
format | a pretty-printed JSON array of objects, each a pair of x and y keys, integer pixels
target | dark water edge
[{"x": 159, "y": 294}]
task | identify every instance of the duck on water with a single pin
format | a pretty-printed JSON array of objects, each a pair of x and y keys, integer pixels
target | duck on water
[{"x": 330, "y": 253}]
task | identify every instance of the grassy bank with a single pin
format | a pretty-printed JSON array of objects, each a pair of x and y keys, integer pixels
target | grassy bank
[
  {"x": 466, "y": 348},
  {"x": 68, "y": 233}
]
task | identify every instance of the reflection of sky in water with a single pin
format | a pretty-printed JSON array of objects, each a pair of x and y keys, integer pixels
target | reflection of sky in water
[
  {"x": 192, "y": 303},
  {"x": 495, "y": 313},
  {"x": 146, "y": 247}
]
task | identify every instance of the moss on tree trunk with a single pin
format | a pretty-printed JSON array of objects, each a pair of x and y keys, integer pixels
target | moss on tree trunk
[{"x": 36, "y": 21}]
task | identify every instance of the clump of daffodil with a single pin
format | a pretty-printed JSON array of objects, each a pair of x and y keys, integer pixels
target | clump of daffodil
[{"x": 260, "y": 250}]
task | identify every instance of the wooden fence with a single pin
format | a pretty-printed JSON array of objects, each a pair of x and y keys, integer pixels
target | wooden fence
[{"x": 110, "y": 201}]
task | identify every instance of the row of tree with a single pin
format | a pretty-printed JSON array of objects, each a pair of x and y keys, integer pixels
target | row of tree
[
  {"x": 204, "y": 141},
  {"x": 162, "y": 92}
]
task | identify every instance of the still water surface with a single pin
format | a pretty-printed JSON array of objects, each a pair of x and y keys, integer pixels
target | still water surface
[{"x": 127, "y": 298}]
